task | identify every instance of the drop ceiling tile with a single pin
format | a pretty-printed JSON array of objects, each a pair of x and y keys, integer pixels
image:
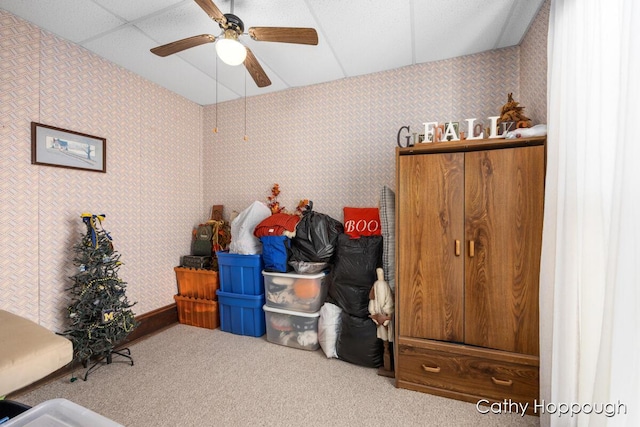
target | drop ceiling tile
[
  {"x": 293, "y": 64},
  {"x": 170, "y": 72},
  {"x": 287, "y": 64},
  {"x": 523, "y": 13},
  {"x": 367, "y": 36},
  {"x": 204, "y": 59},
  {"x": 272, "y": 13},
  {"x": 355, "y": 37},
  {"x": 183, "y": 21},
  {"x": 240, "y": 81},
  {"x": 132, "y": 10},
  {"x": 458, "y": 27},
  {"x": 70, "y": 19},
  {"x": 297, "y": 65}
]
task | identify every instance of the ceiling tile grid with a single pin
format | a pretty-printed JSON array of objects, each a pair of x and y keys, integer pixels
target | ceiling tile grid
[
  {"x": 70, "y": 19},
  {"x": 135, "y": 10},
  {"x": 355, "y": 38},
  {"x": 367, "y": 36}
]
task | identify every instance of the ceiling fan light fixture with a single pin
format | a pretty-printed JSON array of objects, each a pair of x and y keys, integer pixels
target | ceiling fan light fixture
[{"x": 230, "y": 50}]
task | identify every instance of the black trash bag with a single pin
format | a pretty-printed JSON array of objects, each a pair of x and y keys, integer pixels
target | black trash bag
[
  {"x": 354, "y": 273},
  {"x": 358, "y": 342},
  {"x": 316, "y": 236},
  {"x": 351, "y": 299}
]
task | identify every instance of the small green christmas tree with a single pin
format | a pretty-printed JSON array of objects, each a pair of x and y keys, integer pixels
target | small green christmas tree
[{"x": 100, "y": 313}]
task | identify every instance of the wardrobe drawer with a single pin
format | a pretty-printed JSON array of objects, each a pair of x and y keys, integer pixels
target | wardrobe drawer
[{"x": 480, "y": 373}]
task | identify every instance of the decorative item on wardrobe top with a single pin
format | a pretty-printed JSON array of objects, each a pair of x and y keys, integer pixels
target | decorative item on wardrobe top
[
  {"x": 434, "y": 131},
  {"x": 511, "y": 123},
  {"x": 229, "y": 49}
]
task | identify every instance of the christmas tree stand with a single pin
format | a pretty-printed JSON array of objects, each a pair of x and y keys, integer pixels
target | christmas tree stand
[
  {"x": 100, "y": 312},
  {"x": 107, "y": 360}
]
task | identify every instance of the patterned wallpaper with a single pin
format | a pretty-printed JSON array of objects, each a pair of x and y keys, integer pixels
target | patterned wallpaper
[
  {"x": 333, "y": 143},
  {"x": 151, "y": 193},
  {"x": 533, "y": 67},
  {"x": 19, "y": 74}
]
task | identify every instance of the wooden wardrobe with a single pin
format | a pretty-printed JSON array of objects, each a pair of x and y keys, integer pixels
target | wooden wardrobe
[{"x": 469, "y": 229}]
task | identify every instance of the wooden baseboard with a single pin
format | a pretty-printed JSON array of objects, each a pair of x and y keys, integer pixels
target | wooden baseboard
[
  {"x": 150, "y": 323},
  {"x": 153, "y": 322}
]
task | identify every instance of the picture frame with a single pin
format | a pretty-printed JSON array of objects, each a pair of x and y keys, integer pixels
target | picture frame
[
  {"x": 216, "y": 212},
  {"x": 53, "y": 146}
]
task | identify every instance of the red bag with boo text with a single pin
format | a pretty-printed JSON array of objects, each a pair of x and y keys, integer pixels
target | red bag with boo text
[{"x": 362, "y": 222}]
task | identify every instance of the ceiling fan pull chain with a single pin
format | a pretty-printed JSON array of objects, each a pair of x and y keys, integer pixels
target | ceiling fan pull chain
[
  {"x": 246, "y": 137},
  {"x": 215, "y": 129}
]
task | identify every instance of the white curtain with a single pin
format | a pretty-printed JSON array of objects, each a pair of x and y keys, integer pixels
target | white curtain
[{"x": 590, "y": 270}]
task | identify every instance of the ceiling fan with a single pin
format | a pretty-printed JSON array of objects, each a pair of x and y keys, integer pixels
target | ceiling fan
[{"x": 229, "y": 49}]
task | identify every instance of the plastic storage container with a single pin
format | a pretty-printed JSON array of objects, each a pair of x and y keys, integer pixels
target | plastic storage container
[
  {"x": 240, "y": 274},
  {"x": 62, "y": 413},
  {"x": 197, "y": 312},
  {"x": 297, "y": 292},
  {"x": 197, "y": 282},
  {"x": 241, "y": 314},
  {"x": 292, "y": 328}
]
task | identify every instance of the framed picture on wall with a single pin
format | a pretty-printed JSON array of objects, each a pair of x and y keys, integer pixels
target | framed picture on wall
[{"x": 52, "y": 146}]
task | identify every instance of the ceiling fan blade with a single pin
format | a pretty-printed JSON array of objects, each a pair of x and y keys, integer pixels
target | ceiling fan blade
[
  {"x": 255, "y": 69},
  {"x": 180, "y": 45},
  {"x": 213, "y": 11},
  {"x": 284, "y": 35}
]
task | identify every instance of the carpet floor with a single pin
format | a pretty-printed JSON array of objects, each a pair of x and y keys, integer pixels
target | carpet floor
[{"x": 189, "y": 376}]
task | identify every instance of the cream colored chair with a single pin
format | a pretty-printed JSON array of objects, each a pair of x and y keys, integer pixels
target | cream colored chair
[{"x": 28, "y": 352}]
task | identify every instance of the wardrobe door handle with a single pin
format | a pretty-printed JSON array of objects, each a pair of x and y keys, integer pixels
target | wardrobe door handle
[
  {"x": 472, "y": 251},
  {"x": 434, "y": 370},
  {"x": 507, "y": 383},
  {"x": 457, "y": 247}
]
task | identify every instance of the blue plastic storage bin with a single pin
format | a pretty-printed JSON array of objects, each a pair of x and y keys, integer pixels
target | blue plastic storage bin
[
  {"x": 241, "y": 314},
  {"x": 240, "y": 274}
]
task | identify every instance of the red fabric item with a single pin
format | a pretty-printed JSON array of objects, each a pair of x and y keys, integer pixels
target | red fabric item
[
  {"x": 276, "y": 225},
  {"x": 362, "y": 222}
]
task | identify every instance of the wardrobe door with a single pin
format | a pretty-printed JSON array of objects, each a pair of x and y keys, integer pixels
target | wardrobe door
[
  {"x": 430, "y": 247},
  {"x": 504, "y": 195}
]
